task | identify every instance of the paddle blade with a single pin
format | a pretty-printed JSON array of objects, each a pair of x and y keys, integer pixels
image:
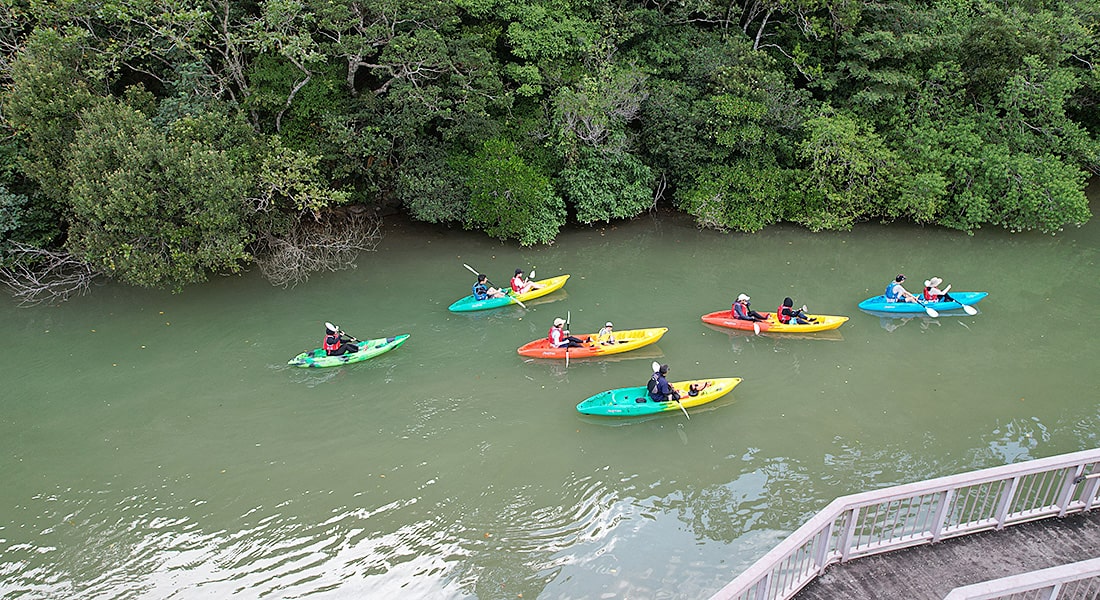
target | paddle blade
[
  {"x": 756, "y": 327},
  {"x": 656, "y": 366},
  {"x": 931, "y": 312},
  {"x": 970, "y": 310},
  {"x": 532, "y": 275}
]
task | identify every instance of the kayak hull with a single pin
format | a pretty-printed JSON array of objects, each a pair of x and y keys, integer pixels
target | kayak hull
[
  {"x": 635, "y": 401},
  {"x": 626, "y": 340},
  {"x": 879, "y": 304},
  {"x": 469, "y": 304},
  {"x": 317, "y": 358},
  {"x": 723, "y": 318}
]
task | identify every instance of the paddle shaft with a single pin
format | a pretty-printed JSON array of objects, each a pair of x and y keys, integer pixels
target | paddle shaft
[{"x": 567, "y": 316}]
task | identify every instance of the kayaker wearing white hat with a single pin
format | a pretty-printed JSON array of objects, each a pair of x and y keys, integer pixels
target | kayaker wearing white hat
[
  {"x": 559, "y": 338},
  {"x": 337, "y": 342},
  {"x": 740, "y": 310},
  {"x": 933, "y": 293},
  {"x": 606, "y": 335}
]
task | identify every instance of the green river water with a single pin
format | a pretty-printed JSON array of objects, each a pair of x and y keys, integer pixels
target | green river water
[{"x": 156, "y": 445}]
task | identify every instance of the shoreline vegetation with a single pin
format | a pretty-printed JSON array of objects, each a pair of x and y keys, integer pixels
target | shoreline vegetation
[{"x": 159, "y": 147}]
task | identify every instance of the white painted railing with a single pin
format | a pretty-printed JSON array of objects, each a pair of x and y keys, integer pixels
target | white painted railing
[
  {"x": 921, "y": 513},
  {"x": 1076, "y": 580}
]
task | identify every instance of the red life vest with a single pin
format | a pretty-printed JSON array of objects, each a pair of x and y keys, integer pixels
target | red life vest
[
  {"x": 550, "y": 336},
  {"x": 782, "y": 317},
  {"x": 333, "y": 345},
  {"x": 929, "y": 296}
]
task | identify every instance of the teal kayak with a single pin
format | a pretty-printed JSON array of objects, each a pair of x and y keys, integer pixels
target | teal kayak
[
  {"x": 879, "y": 304},
  {"x": 469, "y": 304},
  {"x": 635, "y": 401},
  {"x": 367, "y": 349}
]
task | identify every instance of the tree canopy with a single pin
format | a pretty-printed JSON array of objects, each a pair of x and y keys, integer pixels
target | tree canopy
[{"x": 159, "y": 142}]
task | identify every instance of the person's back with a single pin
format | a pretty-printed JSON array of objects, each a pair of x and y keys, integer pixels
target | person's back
[{"x": 659, "y": 388}]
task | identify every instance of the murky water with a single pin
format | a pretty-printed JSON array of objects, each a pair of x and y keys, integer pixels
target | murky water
[{"x": 157, "y": 446}]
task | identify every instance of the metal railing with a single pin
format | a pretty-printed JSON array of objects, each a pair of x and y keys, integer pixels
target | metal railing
[
  {"x": 1075, "y": 580},
  {"x": 921, "y": 513}
]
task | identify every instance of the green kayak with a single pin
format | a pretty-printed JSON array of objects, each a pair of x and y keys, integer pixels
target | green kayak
[{"x": 367, "y": 349}]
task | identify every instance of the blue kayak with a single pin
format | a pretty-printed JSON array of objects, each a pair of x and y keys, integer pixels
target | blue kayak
[{"x": 880, "y": 305}]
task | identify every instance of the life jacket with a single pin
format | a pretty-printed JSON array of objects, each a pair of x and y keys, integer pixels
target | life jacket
[
  {"x": 331, "y": 345},
  {"x": 738, "y": 310},
  {"x": 779, "y": 314},
  {"x": 481, "y": 291},
  {"x": 517, "y": 284},
  {"x": 929, "y": 296},
  {"x": 554, "y": 343},
  {"x": 891, "y": 291}
]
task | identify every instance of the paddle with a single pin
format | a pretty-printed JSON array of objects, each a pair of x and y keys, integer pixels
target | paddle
[
  {"x": 928, "y": 309},
  {"x": 476, "y": 272},
  {"x": 657, "y": 367},
  {"x": 970, "y": 310},
  {"x": 567, "y": 315}
]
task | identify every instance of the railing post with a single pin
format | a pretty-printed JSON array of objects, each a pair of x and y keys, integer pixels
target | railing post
[
  {"x": 1092, "y": 486},
  {"x": 1068, "y": 484},
  {"x": 1006, "y": 502},
  {"x": 762, "y": 592},
  {"x": 849, "y": 531},
  {"x": 821, "y": 553},
  {"x": 944, "y": 509}
]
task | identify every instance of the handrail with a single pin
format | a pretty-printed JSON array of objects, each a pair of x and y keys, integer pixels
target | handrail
[
  {"x": 1055, "y": 580},
  {"x": 919, "y": 513}
]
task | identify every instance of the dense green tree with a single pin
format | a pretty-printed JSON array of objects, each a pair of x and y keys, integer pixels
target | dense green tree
[
  {"x": 149, "y": 209},
  {"x": 604, "y": 187},
  {"x": 509, "y": 198}
]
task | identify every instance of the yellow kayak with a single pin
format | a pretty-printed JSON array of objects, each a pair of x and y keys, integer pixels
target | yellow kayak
[{"x": 625, "y": 341}]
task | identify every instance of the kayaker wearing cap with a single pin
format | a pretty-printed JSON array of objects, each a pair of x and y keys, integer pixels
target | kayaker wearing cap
[
  {"x": 659, "y": 388},
  {"x": 933, "y": 293},
  {"x": 337, "y": 342},
  {"x": 895, "y": 291},
  {"x": 740, "y": 310},
  {"x": 521, "y": 285},
  {"x": 559, "y": 338},
  {"x": 606, "y": 335}
]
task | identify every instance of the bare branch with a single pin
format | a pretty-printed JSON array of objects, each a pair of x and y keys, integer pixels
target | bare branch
[
  {"x": 36, "y": 276},
  {"x": 331, "y": 242}
]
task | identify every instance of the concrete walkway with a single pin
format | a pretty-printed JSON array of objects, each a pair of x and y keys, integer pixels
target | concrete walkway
[{"x": 931, "y": 571}]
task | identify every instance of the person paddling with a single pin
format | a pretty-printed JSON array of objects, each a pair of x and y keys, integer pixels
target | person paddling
[
  {"x": 522, "y": 285},
  {"x": 895, "y": 291},
  {"x": 740, "y": 310},
  {"x": 659, "y": 388},
  {"x": 786, "y": 312},
  {"x": 337, "y": 342},
  {"x": 933, "y": 293},
  {"x": 560, "y": 338},
  {"x": 483, "y": 291}
]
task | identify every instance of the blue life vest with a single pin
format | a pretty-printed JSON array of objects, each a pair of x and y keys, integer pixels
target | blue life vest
[
  {"x": 481, "y": 292},
  {"x": 891, "y": 292}
]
